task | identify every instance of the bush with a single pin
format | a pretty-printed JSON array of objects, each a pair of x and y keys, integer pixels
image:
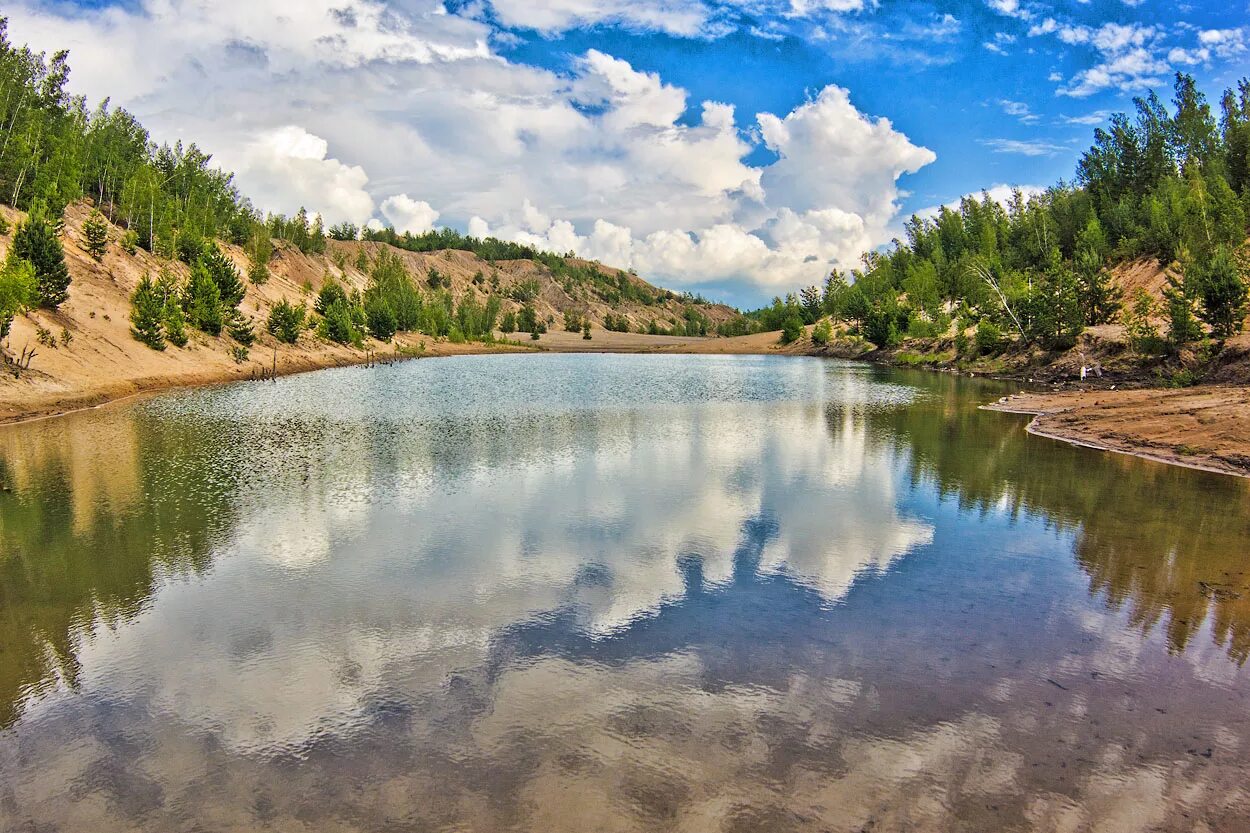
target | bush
[
  {"x": 129, "y": 241},
  {"x": 586, "y": 330},
  {"x": 989, "y": 338},
  {"x": 37, "y": 243},
  {"x": 822, "y": 333},
  {"x": 508, "y": 324},
  {"x": 572, "y": 321},
  {"x": 17, "y": 291}
]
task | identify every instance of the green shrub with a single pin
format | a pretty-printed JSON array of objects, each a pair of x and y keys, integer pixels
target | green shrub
[
  {"x": 17, "y": 291},
  {"x": 989, "y": 338},
  {"x": 791, "y": 330},
  {"x": 822, "y": 333},
  {"x": 286, "y": 321}
]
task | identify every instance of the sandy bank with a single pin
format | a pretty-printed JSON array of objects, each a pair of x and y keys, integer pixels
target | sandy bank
[{"x": 1204, "y": 427}]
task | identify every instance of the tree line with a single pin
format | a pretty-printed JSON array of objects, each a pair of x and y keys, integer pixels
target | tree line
[{"x": 1171, "y": 184}]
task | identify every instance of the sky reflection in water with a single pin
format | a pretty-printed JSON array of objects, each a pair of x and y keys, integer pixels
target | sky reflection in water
[{"x": 618, "y": 593}]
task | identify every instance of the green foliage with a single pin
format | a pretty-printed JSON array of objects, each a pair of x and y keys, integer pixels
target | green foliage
[
  {"x": 147, "y": 314},
  {"x": 17, "y": 291},
  {"x": 95, "y": 232},
  {"x": 1179, "y": 301},
  {"x": 508, "y": 324},
  {"x": 476, "y": 320},
  {"x": 340, "y": 324},
  {"x": 586, "y": 330},
  {"x": 791, "y": 329},
  {"x": 175, "y": 321},
  {"x": 989, "y": 338},
  {"x": 286, "y": 321},
  {"x": 527, "y": 321},
  {"x": 202, "y": 301},
  {"x": 362, "y": 261},
  {"x": 1143, "y": 335},
  {"x": 223, "y": 272},
  {"x": 1052, "y": 313},
  {"x": 344, "y": 231},
  {"x": 615, "y": 323},
  {"x": 822, "y": 333},
  {"x": 4, "y": 225},
  {"x": 36, "y": 242},
  {"x": 331, "y": 292},
  {"x": 1219, "y": 282},
  {"x": 129, "y": 241},
  {"x": 380, "y": 317},
  {"x": 523, "y": 292},
  {"x": 242, "y": 329},
  {"x": 572, "y": 321}
]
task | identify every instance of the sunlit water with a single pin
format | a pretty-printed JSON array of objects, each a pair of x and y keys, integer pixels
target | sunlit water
[{"x": 598, "y": 593}]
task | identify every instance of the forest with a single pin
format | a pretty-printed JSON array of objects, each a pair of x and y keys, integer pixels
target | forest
[{"x": 1165, "y": 183}]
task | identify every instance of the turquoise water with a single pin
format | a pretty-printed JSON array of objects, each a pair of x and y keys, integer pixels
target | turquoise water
[{"x": 612, "y": 593}]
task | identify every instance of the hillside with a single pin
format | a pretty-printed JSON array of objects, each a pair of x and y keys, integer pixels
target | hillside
[{"x": 88, "y": 354}]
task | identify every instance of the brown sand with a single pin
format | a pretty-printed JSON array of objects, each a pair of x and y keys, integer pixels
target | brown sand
[{"x": 1204, "y": 427}]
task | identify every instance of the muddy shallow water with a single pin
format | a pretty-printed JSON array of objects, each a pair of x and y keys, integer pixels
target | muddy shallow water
[{"x": 613, "y": 593}]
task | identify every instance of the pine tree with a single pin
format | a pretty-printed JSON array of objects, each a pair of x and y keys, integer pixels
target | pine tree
[
  {"x": 175, "y": 322},
  {"x": 242, "y": 329},
  {"x": 147, "y": 314},
  {"x": 36, "y": 242},
  {"x": 223, "y": 272},
  {"x": 95, "y": 232},
  {"x": 1219, "y": 283},
  {"x": 203, "y": 301}
]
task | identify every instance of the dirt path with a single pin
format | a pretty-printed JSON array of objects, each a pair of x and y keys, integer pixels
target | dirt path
[{"x": 1204, "y": 427}]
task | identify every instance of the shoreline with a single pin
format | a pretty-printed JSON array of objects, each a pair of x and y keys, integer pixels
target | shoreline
[
  {"x": 1205, "y": 428},
  {"x": 1202, "y": 428}
]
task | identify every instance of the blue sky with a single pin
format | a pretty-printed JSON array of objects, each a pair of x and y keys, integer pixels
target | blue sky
[{"x": 736, "y": 147}]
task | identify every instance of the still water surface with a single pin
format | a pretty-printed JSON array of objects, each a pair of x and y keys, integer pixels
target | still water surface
[{"x": 613, "y": 593}]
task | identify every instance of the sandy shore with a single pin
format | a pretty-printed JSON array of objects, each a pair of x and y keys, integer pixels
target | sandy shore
[{"x": 1204, "y": 427}]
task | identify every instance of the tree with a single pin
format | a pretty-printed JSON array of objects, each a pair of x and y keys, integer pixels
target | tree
[
  {"x": 95, "y": 232},
  {"x": 147, "y": 314},
  {"x": 338, "y": 323},
  {"x": 527, "y": 320},
  {"x": 17, "y": 291},
  {"x": 508, "y": 325},
  {"x": 380, "y": 317},
  {"x": 223, "y": 272},
  {"x": 331, "y": 292},
  {"x": 822, "y": 333},
  {"x": 1183, "y": 326},
  {"x": 586, "y": 330},
  {"x": 792, "y": 330},
  {"x": 175, "y": 322},
  {"x": 202, "y": 301},
  {"x": 37, "y": 243},
  {"x": 812, "y": 304},
  {"x": 286, "y": 321},
  {"x": 1142, "y": 334},
  {"x": 1220, "y": 285}
]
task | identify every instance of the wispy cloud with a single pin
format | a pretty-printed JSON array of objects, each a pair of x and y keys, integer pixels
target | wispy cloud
[{"x": 1024, "y": 147}]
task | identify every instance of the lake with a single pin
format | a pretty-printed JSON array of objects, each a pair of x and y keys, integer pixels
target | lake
[{"x": 613, "y": 593}]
